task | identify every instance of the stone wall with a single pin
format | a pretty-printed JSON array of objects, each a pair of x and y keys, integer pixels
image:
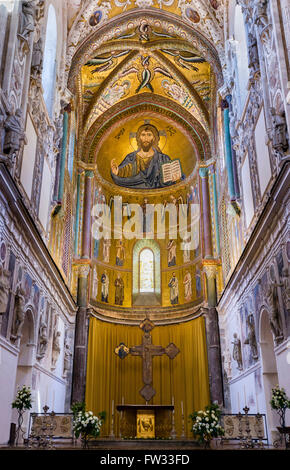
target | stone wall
[{"x": 37, "y": 326}]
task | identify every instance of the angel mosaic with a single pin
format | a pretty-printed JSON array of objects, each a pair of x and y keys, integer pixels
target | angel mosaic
[{"x": 146, "y": 74}]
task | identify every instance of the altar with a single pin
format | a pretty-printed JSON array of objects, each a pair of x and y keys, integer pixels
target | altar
[{"x": 145, "y": 421}]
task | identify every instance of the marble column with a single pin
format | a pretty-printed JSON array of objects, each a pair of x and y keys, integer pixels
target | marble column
[
  {"x": 233, "y": 133},
  {"x": 228, "y": 147},
  {"x": 206, "y": 216},
  {"x": 215, "y": 201},
  {"x": 57, "y": 175},
  {"x": 235, "y": 171},
  {"x": 77, "y": 218},
  {"x": 63, "y": 156},
  {"x": 86, "y": 240},
  {"x": 213, "y": 338},
  {"x": 81, "y": 335}
]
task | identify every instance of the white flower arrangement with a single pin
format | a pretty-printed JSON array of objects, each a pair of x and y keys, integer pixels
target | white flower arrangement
[
  {"x": 23, "y": 399},
  {"x": 280, "y": 402},
  {"x": 279, "y": 398},
  {"x": 206, "y": 423},
  {"x": 86, "y": 424}
]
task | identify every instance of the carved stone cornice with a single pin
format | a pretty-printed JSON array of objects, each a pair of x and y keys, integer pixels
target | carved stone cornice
[
  {"x": 85, "y": 166},
  {"x": 134, "y": 315}
]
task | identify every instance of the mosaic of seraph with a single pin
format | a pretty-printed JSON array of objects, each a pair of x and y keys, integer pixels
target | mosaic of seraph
[
  {"x": 110, "y": 78},
  {"x": 196, "y": 70},
  {"x": 95, "y": 72}
]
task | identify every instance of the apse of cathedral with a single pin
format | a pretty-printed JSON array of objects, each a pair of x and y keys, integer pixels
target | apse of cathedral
[{"x": 144, "y": 169}]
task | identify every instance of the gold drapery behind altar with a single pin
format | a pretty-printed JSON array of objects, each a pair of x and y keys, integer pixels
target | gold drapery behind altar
[{"x": 111, "y": 379}]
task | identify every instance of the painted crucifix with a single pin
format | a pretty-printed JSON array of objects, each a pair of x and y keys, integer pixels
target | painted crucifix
[{"x": 147, "y": 351}]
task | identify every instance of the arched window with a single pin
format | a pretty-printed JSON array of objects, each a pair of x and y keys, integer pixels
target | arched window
[
  {"x": 8, "y": 4},
  {"x": 6, "y": 7},
  {"x": 146, "y": 271},
  {"x": 242, "y": 54},
  {"x": 49, "y": 60}
]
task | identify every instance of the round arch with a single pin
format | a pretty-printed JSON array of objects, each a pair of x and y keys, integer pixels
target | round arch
[
  {"x": 26, "y": 357},
  {"x": 27, "y": 344},
  {"x": 269, "y": 369},
  {"x": 146, "y": 269},
  {"x": 146, "y": 103},
  {"x": 170, "y": 23},
  {"x": 152, "y": 49}
]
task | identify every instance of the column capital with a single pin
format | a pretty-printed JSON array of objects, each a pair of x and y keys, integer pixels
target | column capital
[
  {"x": 66, "y": 97},
  {"x": 203, "y": 171},
  {"x": 89, "y": 173},
  {"x": 224, "y": 104},
  {"x": 86, "y": 166},
  {"x": 210, "y": 270},
  {"x": 90, "y": 312},
  {"x": 84, "y": 270},
  {"x": 67, "y": 108},
  {"x": 224, "y": 91}
]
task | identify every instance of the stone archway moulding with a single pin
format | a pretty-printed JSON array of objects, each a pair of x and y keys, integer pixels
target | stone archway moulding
[
  {"x": 146, "y": 103},
  {"x": 134, "y": 47},
  {"x": 80, "y": 52}
]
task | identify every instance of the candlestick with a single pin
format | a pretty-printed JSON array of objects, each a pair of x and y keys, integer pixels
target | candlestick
[
  {"x": 245, "y": 395},
  {"x": 38, "y": 402},
  {"x": 182, "y": 421},
  {"x": 173, "y": 432},
  {"x": 112, "y": 435},
  {"x": 123, "y": 401},
  {"x": 257, "y": 403}
]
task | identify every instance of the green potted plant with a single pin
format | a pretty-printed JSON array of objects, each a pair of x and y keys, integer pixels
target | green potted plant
[
  {"x": 78, "y": 406},
  {"x": 22, "y": 403},
  {"x": 205, "y": 424}
]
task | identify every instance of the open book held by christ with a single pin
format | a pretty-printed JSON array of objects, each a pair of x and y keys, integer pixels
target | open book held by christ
[{"x": 171, "y": 171}]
